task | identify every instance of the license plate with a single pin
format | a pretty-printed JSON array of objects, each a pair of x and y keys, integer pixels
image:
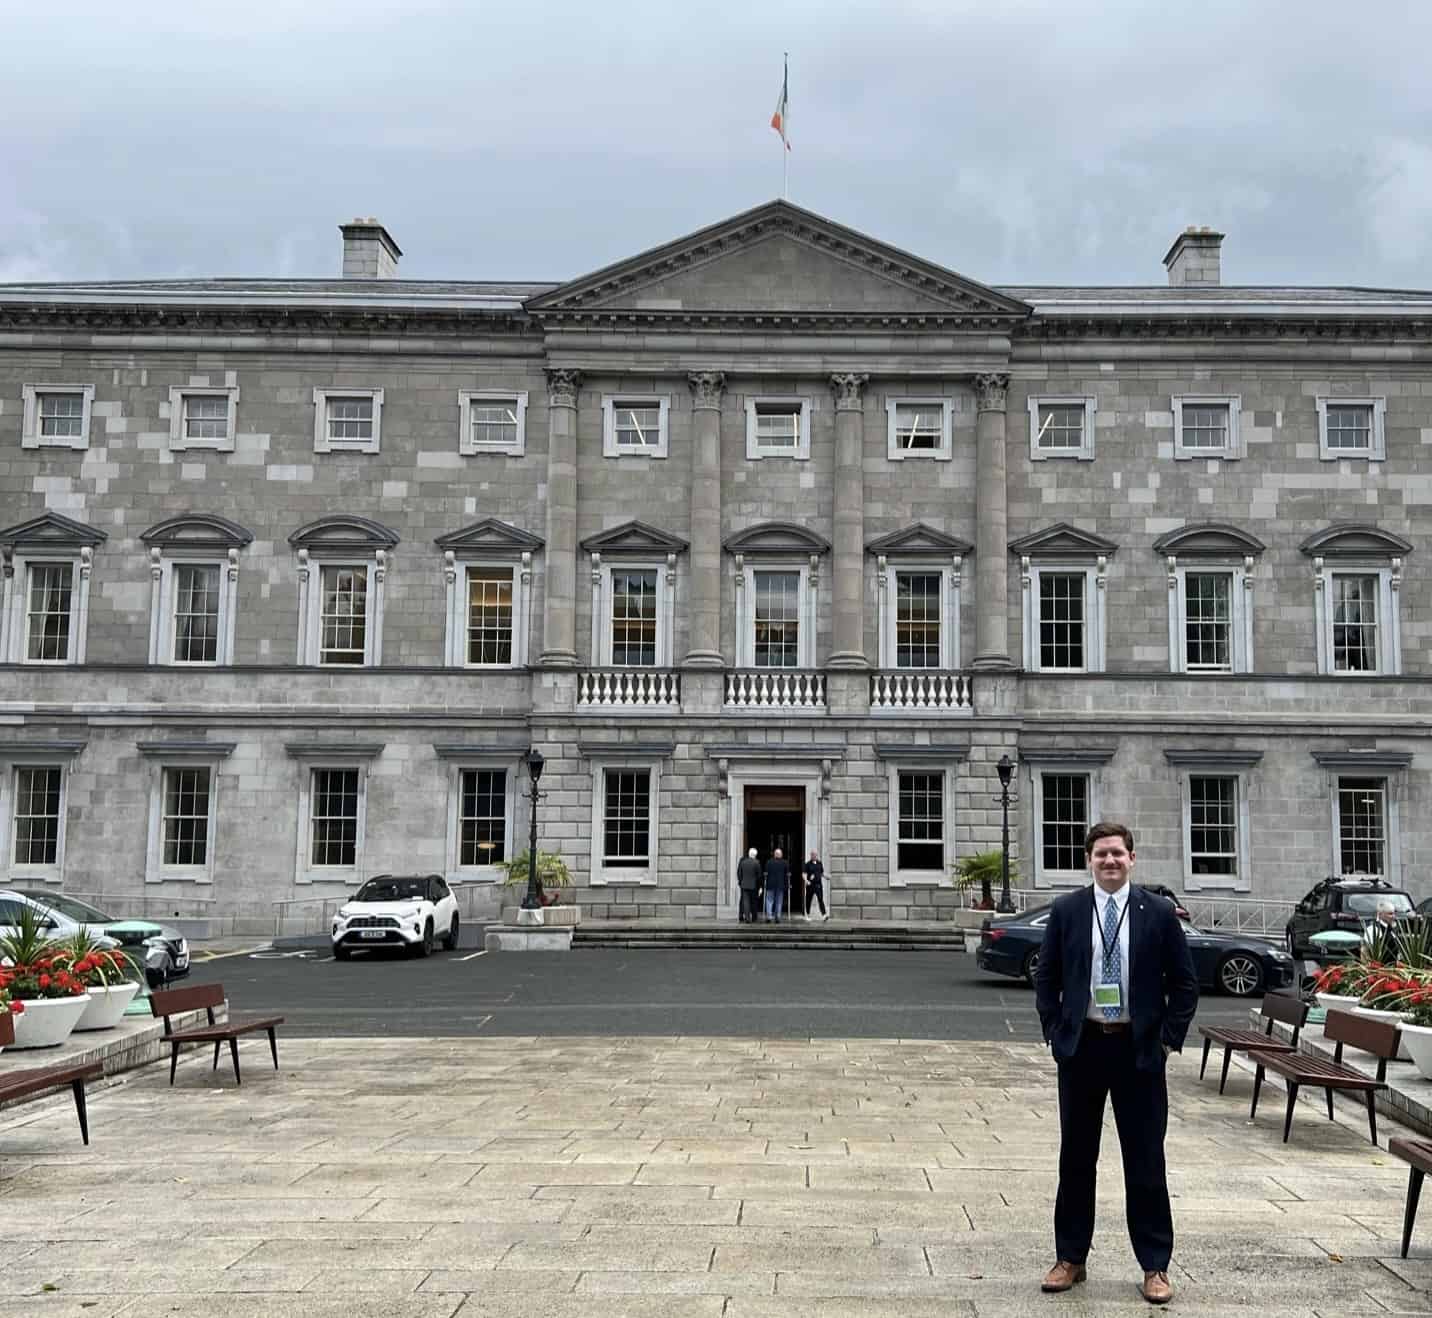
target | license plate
[{"x": 371, "y": 933}]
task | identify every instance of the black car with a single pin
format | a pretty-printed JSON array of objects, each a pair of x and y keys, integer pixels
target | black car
[
  {"x": 1346, "y": 905},
  {"x": 1230, "y": 963}
]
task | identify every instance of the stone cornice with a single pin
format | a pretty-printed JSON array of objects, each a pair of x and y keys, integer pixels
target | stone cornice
[{"x": 1276, "y": 329}]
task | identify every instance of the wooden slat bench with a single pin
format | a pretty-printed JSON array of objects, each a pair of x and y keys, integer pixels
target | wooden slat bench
[
  {"x": 1418, "y": 1155},
  {"x": 206, "y": 997},
  {"x": 1276, "y": 1007},
  {"x": 1380, "y": 1038},
  {"x": 37, "y": 1080}
]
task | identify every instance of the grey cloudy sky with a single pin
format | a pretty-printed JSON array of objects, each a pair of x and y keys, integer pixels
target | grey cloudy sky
[{"x": 1017, "y": 141}]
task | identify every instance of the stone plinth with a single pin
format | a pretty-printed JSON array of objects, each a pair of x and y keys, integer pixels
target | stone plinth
[{"x": 527, "y": 938}]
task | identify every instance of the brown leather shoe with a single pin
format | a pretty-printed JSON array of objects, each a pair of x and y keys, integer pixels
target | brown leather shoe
[
  {"x": 1156, "y": 1288},
  {"x": 1064, "y": 1275}
]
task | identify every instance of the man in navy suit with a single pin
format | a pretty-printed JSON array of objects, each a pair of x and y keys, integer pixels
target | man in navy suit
[{"x": 1116, "y": 990}]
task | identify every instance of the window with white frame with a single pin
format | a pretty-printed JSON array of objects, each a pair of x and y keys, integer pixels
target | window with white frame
[
  {"x": 203, "y": 417},
  {"x": 633, "y": 616},
  {"x": 1061, "y": 428},
  {"x": 196, "y": 602},
  {"x": 56, "y": 415},
  {"x": 919, "y": 619},
  {"x": 635, "y": 426},
  {"x": 1206, "y": 427},
  {"x": 778, "y": 428},
  {"x": 1064, "y": 621},
  {"x": 490, "y": 629},
  {"x": 777, "y": 619},
  {"x": 335, "y": 817},
  {"x": 1359, "y": 631},
  {"x": 492, "y": 423},
  {"x": 37, "y": 817},
  {"x": 1362, "y": 827},
  {"x": 183, "y": 809},
  {"x": 921, "y": 800},
  {"x": 1213, "y": 835},
  {"x": 919, "y": 428},
  {"x": 347, "y": 420},
  {"x": 46, "y": 604},
  {"x": 1352, "y": 428},
  {"x": 1064, "y": 809},
  {"x": 482, "y": 817},
  {"x": 50, "y": 599},
  {"x": 624, "y": 822},
  {"x": 343, "y": 615},
  {"x": 1210, "y": 630}
]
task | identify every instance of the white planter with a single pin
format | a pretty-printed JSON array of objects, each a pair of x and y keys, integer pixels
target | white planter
[
  {"x": 1397, "y": 1018},
  {"x": 1336, "y": 1001},
  {"x": 46, "y": 1022},
  {"x": 106, "y": 1006},
  {"x": 1417, "y": 1041}
]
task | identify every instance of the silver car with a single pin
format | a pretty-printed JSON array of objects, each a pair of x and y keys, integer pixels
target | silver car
[{"x": 161, "y": 949}]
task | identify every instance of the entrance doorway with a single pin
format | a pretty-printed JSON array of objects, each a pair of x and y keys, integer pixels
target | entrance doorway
[{"x": 775, "y": 817}]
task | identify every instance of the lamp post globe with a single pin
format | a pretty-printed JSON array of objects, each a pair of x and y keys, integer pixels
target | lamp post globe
[
  {"x": 533, "y": 900},
  {"x": 1005, "y": 769}
]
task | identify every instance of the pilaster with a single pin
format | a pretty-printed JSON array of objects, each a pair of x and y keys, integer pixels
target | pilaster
[
  {"x": 559, "y": 611},
  {"x": 704, "y": 611},
  {"x": 848, "y": 548},
  {"x": 991, "y": 524}
]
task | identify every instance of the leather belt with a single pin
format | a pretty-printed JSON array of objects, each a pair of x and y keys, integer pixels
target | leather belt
[{"x": 1108, "y": 1027}]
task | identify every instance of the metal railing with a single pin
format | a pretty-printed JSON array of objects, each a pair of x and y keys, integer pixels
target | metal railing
[
  {"x": 1256, "y": 916},
  {"x": 924, "y": 692},
  {"x": 314, "y": 915},
  {"x": 775, "y": 688},
  {"x": 147, "y": 906},
  {"x": 628, "y": 688}
]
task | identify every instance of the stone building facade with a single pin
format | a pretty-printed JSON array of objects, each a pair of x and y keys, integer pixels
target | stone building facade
[{"x": 772, "y": 535}]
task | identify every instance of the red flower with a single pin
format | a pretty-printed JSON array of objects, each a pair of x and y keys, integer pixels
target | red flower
[
  {"x": 17, "y": 1007},
  {"x": 44, "y": 981}
]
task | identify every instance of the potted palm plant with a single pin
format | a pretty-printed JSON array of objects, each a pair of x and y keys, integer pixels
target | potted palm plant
[
  {"x": 553, "y": 875},
  {"x": 52, "y": 998},
  {"x": 984, "y": 870},
  {"x": 110, "y": 978}
]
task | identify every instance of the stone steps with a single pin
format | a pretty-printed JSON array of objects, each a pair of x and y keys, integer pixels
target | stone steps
[{"x": 795, "y": 934}]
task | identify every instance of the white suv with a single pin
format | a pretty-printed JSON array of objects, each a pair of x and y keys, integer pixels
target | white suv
[{"x": 397, "y": 910}]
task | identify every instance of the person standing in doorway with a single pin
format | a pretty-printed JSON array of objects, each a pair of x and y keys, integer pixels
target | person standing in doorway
[
  {"x": 777, "y": 875},
  {"x": 815, "y": 890},
  {"x": 1116, "y": 990},
  {"x": 748, "y": 879}
]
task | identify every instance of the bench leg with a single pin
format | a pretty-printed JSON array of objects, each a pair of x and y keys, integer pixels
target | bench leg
[
  {"x": 1207, "y": 1043},
  {"x": 79, "y": 1088},
  {"x": 1329, "y": 1093},
  {"x": 273, "y": 1047},
  {"x": 173, "y": 1060},
  {"x": 1257, "y": 1086},
  {"x": 1409, "y": 1216},
  {"x": 215, "y": 1067},
  {"x": 1292, "y": 1103},
  {"x": 1372, "y": 1115},
  {"x": 234, "y": 1053},
  {"x": 1223, "y": 1079}
]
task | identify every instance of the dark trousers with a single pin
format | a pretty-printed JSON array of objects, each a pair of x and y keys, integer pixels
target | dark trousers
[
  {"x": 748, "y": 903},
  {"x": 815, "y": 892},
  {"x": 1103, "y": 1068}
]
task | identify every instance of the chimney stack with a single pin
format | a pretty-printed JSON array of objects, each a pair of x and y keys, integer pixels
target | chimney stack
[
  {"x": 1194, "y": 261},
  {"x": 369, "y": 251}
]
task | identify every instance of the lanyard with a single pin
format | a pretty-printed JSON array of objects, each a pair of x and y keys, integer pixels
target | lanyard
[{"x": 1099, "y": 925}]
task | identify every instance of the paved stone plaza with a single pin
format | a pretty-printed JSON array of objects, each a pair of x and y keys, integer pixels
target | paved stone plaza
[{"x": 666, "y": 1177}]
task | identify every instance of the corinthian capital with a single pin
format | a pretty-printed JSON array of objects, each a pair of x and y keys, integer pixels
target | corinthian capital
[
  {"x": 706, "y": 387},
  {"x": 562, "y": 387},
  {"x": 848, "y": 387},
  {"x": 990, "y": 391}
]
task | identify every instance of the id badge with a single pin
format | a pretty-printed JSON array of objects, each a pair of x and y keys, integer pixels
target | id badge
[{"x": 1109, "y": 995}]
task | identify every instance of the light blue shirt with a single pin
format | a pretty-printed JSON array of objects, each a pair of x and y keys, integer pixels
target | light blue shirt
[{"x": 1096, "y": 967}]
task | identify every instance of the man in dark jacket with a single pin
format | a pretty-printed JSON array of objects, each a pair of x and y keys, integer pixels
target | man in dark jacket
[
  {"x": 815, "y": 880},
  {"x": 777, "y": 875},
  {"x": 748, "y": 879},
  {"x": 1116, "y": 991}
]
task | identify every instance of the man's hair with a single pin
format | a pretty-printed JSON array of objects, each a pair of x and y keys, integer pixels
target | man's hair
[
  {"x": 752, "y": 853},
  {"x": 1105, "y": 828},
  {"x": 776, "y": 852}
]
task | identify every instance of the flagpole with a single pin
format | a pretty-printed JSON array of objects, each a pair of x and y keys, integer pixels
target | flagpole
[{"x": 785, "y": 148}]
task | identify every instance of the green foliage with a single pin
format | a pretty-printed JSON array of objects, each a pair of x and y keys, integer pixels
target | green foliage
[
  {"x": 552, "y": 871},
  {"x": 95, "y": 964},
  {"x": 28, "y": 940},
  {"x": 981, "y": 868}
]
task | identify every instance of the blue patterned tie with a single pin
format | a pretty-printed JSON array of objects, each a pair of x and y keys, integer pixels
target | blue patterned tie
[{"x": 1113, "y": 958}]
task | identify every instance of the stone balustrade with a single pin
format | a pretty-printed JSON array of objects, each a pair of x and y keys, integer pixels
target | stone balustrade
[
  {"x": 924, "y": 692},
  {"x": 775, "y": 688},
  {"x": 628, "y": 688}
]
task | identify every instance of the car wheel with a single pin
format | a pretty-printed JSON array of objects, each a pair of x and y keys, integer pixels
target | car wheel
[
  {"x": 450, "y": 938},
  {"x": 341, "y": 953},
  {"x": 425, "y": 947},
  {"x": 1240, "y": 973},
  {"x": 1031, "y": 967}
]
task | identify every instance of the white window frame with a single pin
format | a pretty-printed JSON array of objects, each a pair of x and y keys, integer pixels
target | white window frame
[
  {"x": 1085, "y": 451},
  {"x": 323, "y": 444},
  {"x": 746, "y": 570},
  {"x": 943, "y": 877},
  {"x": 665, "y": 570},
  {"x": 161, "y": 606},
  {"x": 310, "y": 607},
  {"x": 155, "y": 870},
  {"x": 1095, "y": 620},
  {"x": 646, "y": 877},
  {"x": 887, "y": 581},
  {"x": 455, "y": 572},
  {"x": 455, "y": 870},
  {"x": 178, "y": 396},
  {"x": 1389, "y": 622},
  {"x": 610, "y": 448},
  {"x": 1392, "y": 854},
  {"x": 469, "y": 447},
  {"x": 1047, "y": 878},
  {"x": 1242, "y": 881},
  {"x": 943, "y": 453},
  {"x": 1376, "y": 450},
  {"x": 1240, "y": 641},
  {"x": 756, "y": 450},
  {"x": 17, "y": 628},
  {"x": 305, "y": 871},
  {"x": 1233, "y": 445},
  {"x": 11, "y": 762},
  {"x": 30, "y": 436}
]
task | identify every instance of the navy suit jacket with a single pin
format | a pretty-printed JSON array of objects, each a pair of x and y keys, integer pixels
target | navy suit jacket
[{"x": 1163, "y": 985}]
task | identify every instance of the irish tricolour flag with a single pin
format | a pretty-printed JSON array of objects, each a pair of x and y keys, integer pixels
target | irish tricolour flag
[{"x": 781, "y": 120}]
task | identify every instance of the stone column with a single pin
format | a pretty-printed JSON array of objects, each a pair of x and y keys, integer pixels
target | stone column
[
  {"x": 559, "y": 607},
  {"x": 991, "y": 525},
  {"x": 848, "y": 577},
  {"x": 704, "y": 641}
]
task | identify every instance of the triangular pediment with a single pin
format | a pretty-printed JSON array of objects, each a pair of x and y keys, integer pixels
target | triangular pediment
[
  {"x": 489, "y": 536},
  {"x": 919, "y": 540},
  {"x": 197, "y": 531},
  {"x": 1062, "y": 541},
  {"x": 343, "y": 532},
  {"x": 775, "y": 259},
  {"x": 52, "y": 529},
  {"x": 1355, "y": 540},
  {"x": 776, "y": 538},
  {"x": 633, "y": 538},
  {"x": 1208, "y": 540}
]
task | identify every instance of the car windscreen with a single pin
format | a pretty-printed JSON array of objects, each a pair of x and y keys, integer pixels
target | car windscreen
[
  {"x": 392, "y": 890},
  {"x": 1365, "y": 904},
  {"x": 72, "y": 907}
]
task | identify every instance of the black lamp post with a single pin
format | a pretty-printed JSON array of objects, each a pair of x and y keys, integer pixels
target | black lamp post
[
  {"x": 533, "y": 900},
  {"x": 1005, "y": 769}
]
